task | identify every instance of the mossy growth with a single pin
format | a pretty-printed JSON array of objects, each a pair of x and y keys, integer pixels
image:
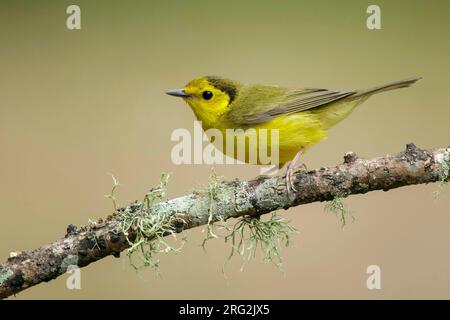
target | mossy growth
[
  {"x": 250, "y": 233},
  {"x": 146, "y": 228},
  {"x": 112, "y": 195},
  {"x": 442, "y": 177},
  {"x": 216, "y": 187},
  {"x": 5, "y": 273},
  {"x": 340, "y": 209}
]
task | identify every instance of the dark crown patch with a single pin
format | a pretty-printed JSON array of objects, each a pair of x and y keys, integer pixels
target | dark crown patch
[{"x": 224, "y": 85}]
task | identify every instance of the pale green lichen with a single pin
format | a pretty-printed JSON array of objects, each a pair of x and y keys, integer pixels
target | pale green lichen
[
  {"x": 338, "y": 207},
  {"x": 251, "y": 233},
  {"x": 149, "y": 228},
  {"x": 5, "y": 273},
  {"x": 146, "y": 225},
  {"x": 112, "y": 195},
  {"x": 92, "y": 223},
  {"x": 442, "y": 173},
  {"x": 70, "y": 260},
  {"x": 216, "y": 189}
]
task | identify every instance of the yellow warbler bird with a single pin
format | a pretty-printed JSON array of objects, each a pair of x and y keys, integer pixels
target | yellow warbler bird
[{"x": 301, "y": 115}]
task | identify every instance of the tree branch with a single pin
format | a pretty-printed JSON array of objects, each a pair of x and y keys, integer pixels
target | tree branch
[{"x": 235, "y": 199}]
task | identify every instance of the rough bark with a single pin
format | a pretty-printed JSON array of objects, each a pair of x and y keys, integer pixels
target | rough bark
[{"x": 234, "y": 199}]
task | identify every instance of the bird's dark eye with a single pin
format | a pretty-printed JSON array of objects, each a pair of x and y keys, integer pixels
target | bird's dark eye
[{"x": 207, "y": 95}]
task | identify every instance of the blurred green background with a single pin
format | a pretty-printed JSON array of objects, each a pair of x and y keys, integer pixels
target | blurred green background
[{"x": 77, "y": 105}]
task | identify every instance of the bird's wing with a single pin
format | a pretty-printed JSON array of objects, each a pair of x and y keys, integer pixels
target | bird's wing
[
  {"x": 298, "y": 100},
  {"x": 278, "y": 101}
]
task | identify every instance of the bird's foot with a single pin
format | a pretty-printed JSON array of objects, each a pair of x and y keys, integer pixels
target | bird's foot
[{"x": 291, "y": 168}]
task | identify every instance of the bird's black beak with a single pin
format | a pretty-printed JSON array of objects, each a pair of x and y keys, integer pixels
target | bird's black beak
[{"x": 178, "y": 93}]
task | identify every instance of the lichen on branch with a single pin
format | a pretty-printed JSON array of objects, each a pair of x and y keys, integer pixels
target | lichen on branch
[
  {"x": 145, "y": 228},
  {"x": 251, "y": 198}
]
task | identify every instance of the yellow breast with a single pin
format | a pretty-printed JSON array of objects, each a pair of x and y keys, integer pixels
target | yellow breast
[{"x": 288, "y": 133}]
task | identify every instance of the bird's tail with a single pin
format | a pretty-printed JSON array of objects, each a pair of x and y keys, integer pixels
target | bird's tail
[{"x": 390, "y": 86}]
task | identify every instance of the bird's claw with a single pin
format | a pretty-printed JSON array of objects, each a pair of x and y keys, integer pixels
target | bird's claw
[{"x": 291, "y": 168}]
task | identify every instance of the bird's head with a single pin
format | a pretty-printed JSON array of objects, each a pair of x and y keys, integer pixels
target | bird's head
[{"x": 209, "y": 97}]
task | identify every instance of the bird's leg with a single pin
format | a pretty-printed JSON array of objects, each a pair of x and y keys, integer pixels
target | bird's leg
[{"x": 291, "y": 167}]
